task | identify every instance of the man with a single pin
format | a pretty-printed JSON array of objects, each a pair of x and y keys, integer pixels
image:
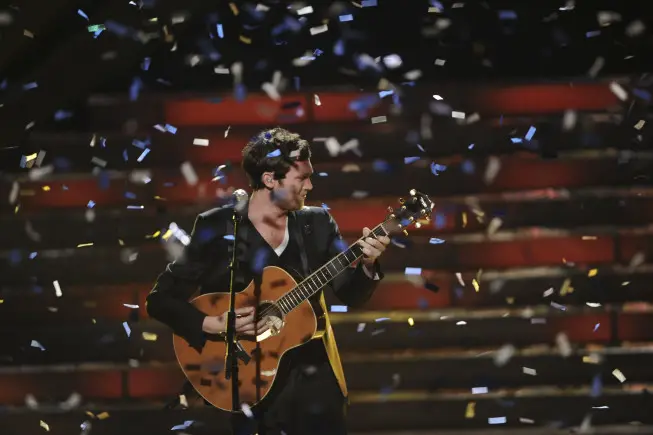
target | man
[{"x": 312, "y": 398}]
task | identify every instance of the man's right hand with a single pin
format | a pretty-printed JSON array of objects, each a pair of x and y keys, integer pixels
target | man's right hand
[{"x": 218, "y": 324}]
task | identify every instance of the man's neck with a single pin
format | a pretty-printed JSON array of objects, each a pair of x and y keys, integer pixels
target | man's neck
[{"x": 262, "y": 209}]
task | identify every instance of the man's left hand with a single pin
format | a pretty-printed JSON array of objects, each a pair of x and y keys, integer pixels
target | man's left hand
[{"x": 372, "y": 246}]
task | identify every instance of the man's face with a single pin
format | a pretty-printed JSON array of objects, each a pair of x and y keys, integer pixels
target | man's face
[{"x": 290, "y": 193}]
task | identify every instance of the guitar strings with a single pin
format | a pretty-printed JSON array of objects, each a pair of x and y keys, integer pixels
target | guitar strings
[{"x": 268, "y": 310}]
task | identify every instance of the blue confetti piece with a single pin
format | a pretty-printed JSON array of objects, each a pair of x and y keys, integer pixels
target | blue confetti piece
[
  {"x": 322, "y": 174},
  {"x": 381, "y": 166},
  {"x": 145, "y": 152},
  {"x": 317, "y": 52},
  {"x": 15, "y": 257},
  {"x": 33, "y": 255},
  {"x": 470, "y": 146},
  {"x": 436, "y": 168},
  {"x": 340, "y": 245},
  {"x": 62, "y": 114},
  {"x": 275, "y": 153},
  {"x": 531, "y": 133},
  {"x": 468, "y": 167},
  {"x": 459, "y": 292},
  {"x": 146, "y": 64},
  {"x": 507, "y": 15},
  {"x": 413, "y": 271},
  {"x": 103, "y": 180},
  {"x": 440, "y": 220},
  {"x": 260, "y": 260},
  {"x": 641, "y": 93},
  {"x": 240, "y": 92},
  {"x": 130, "y": 195},
  {"x": 339, "y": 47},
  {"x": 345, "y": 18},
  {"x": 597, "y": 386},
  {"x": 186, "y": 425},
  {"x": 170, "y": 129},
  {"x": 116, "y": 28},
  {"x": 368, "y": 3},
  {"x": 97, "y": 33},
  {"x": 90, "y": 204},
  {"x": 125, "y": 156},
  {"x": 385, "y": 93},
  {"x": 229, "y": 237},
  {"x": 135, "y": 89},
  {"x": 140, "y": 143},
  {"x": 409, "y": 160},
  {"x": 326, "y": 207},
  {"x": 32, "y": 85},
  {"x": 168, "y": 184},
  {"x": 297, "y": 82},
  {"x": 3, "y": 84},
  {"x": 435, "y": 241},
  {"x": 220, "y": 31},
  {"x": 338, "y": 308},
  {"x": 516, "y": 140},
  {"x": 82, "y": 14},
  {"x": 596, "y": 327},
  {"x": 592, "y": 33}
]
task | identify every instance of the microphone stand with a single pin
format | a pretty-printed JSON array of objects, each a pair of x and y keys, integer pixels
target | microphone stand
[{"x": 231, "y": 358}]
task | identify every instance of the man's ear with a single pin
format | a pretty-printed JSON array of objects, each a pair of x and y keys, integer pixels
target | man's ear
[{"x": 268, "y": 180}]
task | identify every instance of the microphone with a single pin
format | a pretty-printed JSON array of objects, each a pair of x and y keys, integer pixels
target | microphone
[{"x": 241, "y": 198}]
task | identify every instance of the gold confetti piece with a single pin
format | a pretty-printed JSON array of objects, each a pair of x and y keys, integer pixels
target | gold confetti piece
[
  {"x": 640, "y": 124},
  {"x": 84, "y": 245},
  {"x": 44, "y": 425},
  {"x": 149, "y": 336},
  {"x": 411, "y": 322},
  {"x": 2, "y": 301},
  {"x": 153, "y": 236},
  {"x": 566, "y": 287},
  {"x": 592, "y": 359},
  {"x": 475, "y": 285},
  {"x": 103, "y": 415},
  {"x": 464, "y": 219},
  {"x": 470, "y": 411},
  {"x": 46, "y": 188},
  {"x": 16, "y": 209},
  {"x": 90, "y": 414},
  {"x": 592, "y": 272},
  {"x": 121, "y": 242},
  {"x": 234, "y": 8},
  {"x": 167, "y": 235},
  {"x": 478, "y": 275},
  {"x": 625, "y": 283},
  {"x": 183, "y": 401},
  {"x": 245, "y": 39},
  {"x": 620, "y": 376},
  {"x": 589, "y": 238},
  {"x": 29, "y": 35}
]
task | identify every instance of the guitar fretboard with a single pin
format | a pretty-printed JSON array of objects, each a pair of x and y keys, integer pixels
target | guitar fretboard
[{"x": 324, "y": 275}]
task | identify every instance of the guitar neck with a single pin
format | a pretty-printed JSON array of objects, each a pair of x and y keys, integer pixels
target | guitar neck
[{"x": 325, "y": 274}]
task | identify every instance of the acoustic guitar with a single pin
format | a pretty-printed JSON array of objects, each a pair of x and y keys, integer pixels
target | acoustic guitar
[{"x": 292, "y": 316}]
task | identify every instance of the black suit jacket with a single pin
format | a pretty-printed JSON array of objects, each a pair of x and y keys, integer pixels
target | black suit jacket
[{"x": 208, "y": 255}]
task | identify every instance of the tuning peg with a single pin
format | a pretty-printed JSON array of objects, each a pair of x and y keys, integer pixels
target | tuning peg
[
  {"x": 390, "y": 210},
  {"x": 413, "y": 192},
  {"x": 401, "y": 200},
  {"x": 405, "y": 232}
]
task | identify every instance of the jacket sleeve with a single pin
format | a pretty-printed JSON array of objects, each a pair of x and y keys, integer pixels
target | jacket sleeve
[
  {"x": 168, "y": 300},
  {"x": 353, "y": 287}
]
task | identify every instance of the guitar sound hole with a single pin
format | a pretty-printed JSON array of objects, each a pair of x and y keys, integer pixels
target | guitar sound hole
[{"x": 272, "y": 315}]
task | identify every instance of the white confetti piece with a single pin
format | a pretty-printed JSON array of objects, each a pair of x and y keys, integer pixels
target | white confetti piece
[
  {"x": 44, "y": 425},
  {"x": 492, "y": 169},
  {"x": 316, "y": 98},
  {"x": 57, "y": 289},
  {"x": 440, "y": 62},
  {"x": 98, "y": 161},
  {"x": 37, "y": 345},
  {"x": 132, "y": 306},
  {"x": 271, "y": 91},
  {"x": 619, "y": 91},
  {"x": 526, "y": 420},
  {"x": 458, "y": 115},
  {"x": 201, "y": 142},
  {"x": 226, "y": 132},
  {"x": 596, "y": 67},
  {"x": 319, "y": 29},
  {"x": 497, "y": 420},
  {"x": 504, "y": 354},
  {"x": 569, "y": 120},
  {"x": 379, "y": 119},
  {"x": 189, "y": 173},
  {"x": 620, "y": 376},
  {"x": 548, "y": 292},
  {"x": 563, "y": 344},
  {"x": 635, "y": 28},
  {"x": 479, "y": 390},
  {"x": 459, "y": 277},
  {"x": 247, "y": 410},
  {"x": 494, "y": 225},
  {"x": 529, "y": 371}
]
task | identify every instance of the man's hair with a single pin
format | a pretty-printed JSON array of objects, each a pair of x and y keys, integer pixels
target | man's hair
[{"x": 274, "y": 150}]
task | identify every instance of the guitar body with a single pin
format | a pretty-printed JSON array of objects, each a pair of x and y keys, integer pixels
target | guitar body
[{"x": 205, "y": 369}]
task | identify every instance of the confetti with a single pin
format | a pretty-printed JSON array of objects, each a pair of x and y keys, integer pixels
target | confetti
[
  {"x": 44, "y": 425},
  {"x": 529, "y": 371},
  {"x": 57, "y": 289},
  {"x": 620, "y": 376},
  {"x": 189, "y": 173},
  {"x": 338, "y": 308},
  {"x": 128, "y": 330},
  {"x": 319, "y": 29},
  {"x": 203, "y": 142},
  {"x": 470, "y": 410},
  {"x": 379, "y": 119}
]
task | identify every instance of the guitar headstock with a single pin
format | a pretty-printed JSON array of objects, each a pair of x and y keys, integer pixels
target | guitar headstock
[{"x": 418, "y": 206}]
